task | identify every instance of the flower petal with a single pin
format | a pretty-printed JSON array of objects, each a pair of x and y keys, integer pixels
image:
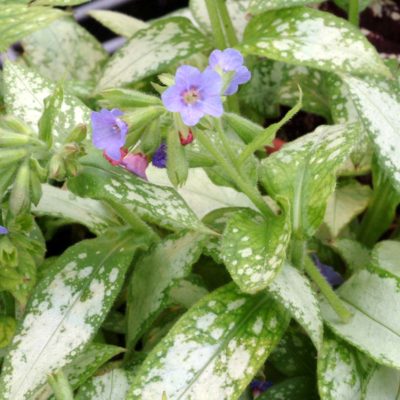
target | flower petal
[
  {"x": 191, "y": 115},
  {"x": 172, "y": 99}
]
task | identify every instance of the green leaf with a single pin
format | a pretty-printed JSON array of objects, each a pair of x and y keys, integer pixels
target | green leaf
[
  {"x": 303, "y": 172},
  {"x": 65, "y": 311},
  {"x": 383, "y": 384},
  {"x": 373, "y": 296},
  {"x": 155, "y": 275},
  {"x": 111, "y": 385},
  {"x": 378, "y": 105},
  {"x": 152, "y": 50},
  {"x": 260, "y": 6},
  {"x": 187, "y": 292},
  {"x": 301, "y": 387},
  {"x": 200, "y": 193},
  {"x": 60, "y": 3},
  {"x": 119, "y": 23},
  {"x": 7, "y": 330},
  {"x": 386, "y": 255},
  {"x": 214, "y": 350},
  {"x": 313, "y": 38},
  {"x": 25, "y": 92},
  {"x": 158, "y": 204},
  {"x": 340, "y": 375},
  {"x": 61, "y": 203},
  {"x": 65, "y": 51},
  {"x": 19, "y": 20},
  {"x": 355, "y": 255},
  {"x": 253, "y": 249},
  {"x": 344, "y": 205},
  {"x": 291, "y": 289}
]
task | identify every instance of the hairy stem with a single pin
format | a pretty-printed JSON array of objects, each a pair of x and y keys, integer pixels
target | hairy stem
[
  {"x": 60, "y": 385},
  {"x": 353, "y": 14}
]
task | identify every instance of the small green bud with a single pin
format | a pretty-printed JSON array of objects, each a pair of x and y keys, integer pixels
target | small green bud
[
  {"x": 10, "y": 139},
  {"x": 8, "y": 253},
  {"x": 36, "y": 188},
  {"x": 127, "y": 98},
  {"x": 77, "y": 134},
  {"x": 11, "y": 123},
  {"x": 38, "y": 169},
  {"x": 71, "y": 166},
  {"x": 11, "y": 156},
  {"x": 57, "y": 168},
  {"x": 177, "y": 165},
  {"x": 20, "y": 193},
  {"x": 7, "y": 176},
  {"x": 166, "y": 79},
  {"x": 142, "y": 116},
  {"x": 151, "y": 139}
]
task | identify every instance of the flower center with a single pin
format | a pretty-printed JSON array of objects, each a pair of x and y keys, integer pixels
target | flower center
[{"x": 191, "y": 96}]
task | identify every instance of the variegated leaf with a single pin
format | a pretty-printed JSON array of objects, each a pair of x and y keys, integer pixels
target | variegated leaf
[
  {"x": 155, "y": 275},
  {"x": 301, "y": 387},
  {"x": 383, "y": 384},
  {"x": 158, "y": 204},
  {"x": 305, "y": 36},
  {"x": 345, "y": 203},
  {"x": 25, "y": 92},
  {"x": 293, "y": 291},
  {"x": 303, "y": 172},
  {"x": 151, "y": 51},
  {"x": 386, "y": 256},
  {"x": 119, "y": 23},
  {"x": 200, "y": 193},
  {"x": 378, "y": 105},
  {"x": 339, "y": 373},
  {"x": 253, "y": 248},
  {"x": 260, "y": 6},
  {"x": 65, "y": 311},
  {"x": 64, "y": 51},
  {"x": 112, "y": 385},
  {"x": 61, "y": 203},
  {"x": 214, "y": 350},
  {"x": 19, "y": 20},
  {"x": 373, "y": 297}
]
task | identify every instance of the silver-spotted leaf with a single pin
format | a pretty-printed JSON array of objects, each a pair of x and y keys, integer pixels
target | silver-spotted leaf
[
  {"x": 373, "y": 297},
  {"x": 260, "y": 6},
  {"x": 155, "y": 275},
  {"x": 291, "y": 289},
  {"x": 313, "y": 38},
  {"x": 214, "y": 350},
  {"x": 25, "y": 92},
  {"x": 253, "y": 248},
  {"x": 303, "y": 172},
  {"x": 151, "y": 51},
  {"x": 66, "y": 310},
  {"x": 386, "y": 256},
  {"x": 383, "y": 384}
]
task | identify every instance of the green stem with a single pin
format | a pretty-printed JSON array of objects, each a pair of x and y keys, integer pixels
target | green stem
[
  {"x": 61, "y": 387},
  {"x": 298, "y": 253},
  {"x": 332, "y": 298},
  {"x": 247, "y": 189},
  {"x": 226, "y": 20},
  {"x": 380, "y": 213},
  {"x": 353, "y": 14},
  {"x": 216, "y": 24},
  {"x": 225, "y": 143}
]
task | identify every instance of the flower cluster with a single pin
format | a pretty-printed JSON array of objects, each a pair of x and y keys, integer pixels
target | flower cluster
[{"x": 196, "y": 94}]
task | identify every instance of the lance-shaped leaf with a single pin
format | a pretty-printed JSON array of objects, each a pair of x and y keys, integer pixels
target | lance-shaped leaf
[
  {"x": 25, "y": 92},
  {"x": 200, "y": 193},
  {"x": 152, "y": 50},
  {"x": 378, "y": 105},
  {"x": 214, "y": 350},
  {"x": 340, "y": 375},
  {"x": 260, "y": 6},
  {"x": 61, "y": 203},
  {"x": 373, "y": 296},
  {"x": 386, "y": 255},
  {"x": 253, "y": 248},
  {"x": 19, "y": 20},
  {"x": 119, "y": 23},
  {"x": 344, "y": 205},
  {"x": 301, "y": 387},
  {"x": 303, "y": 172},
  {"x": 293, "y": 291},
  {"x": 313, "y": 38},
  {"x": 158, "y": 204},
  {"x": 383, "y": 384},
  {"x": 64, "y": 51},
  {"x": 155, "y": 275},
  {"x": 111, "y": 385},
  {"x": 65, "y": 311}
]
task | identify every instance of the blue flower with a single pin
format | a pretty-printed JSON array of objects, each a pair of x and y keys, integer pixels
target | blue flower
[
  {"x": 109, "y": 132},
  {"x": 333, "y": 277},
  {"x": 159, "y": 159},
  {"x": 195, "y": 94},
  {"x": 230, "y": 60},
  {"x": 3, "y": 230}
]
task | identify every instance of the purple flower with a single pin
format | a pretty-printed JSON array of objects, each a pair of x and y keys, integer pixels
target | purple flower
[
  {"x": 333, "y": 277},
  {"x": 3, "y": 230},
  {"x": 258, "y": 387},
  {"x": 109, "y": 132},
  {"x": 159, "y": 159},
  {"x": 136, "y": 163},
  {"x": 230, "y": 60},
  {"x": 194, "y": 94}
]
